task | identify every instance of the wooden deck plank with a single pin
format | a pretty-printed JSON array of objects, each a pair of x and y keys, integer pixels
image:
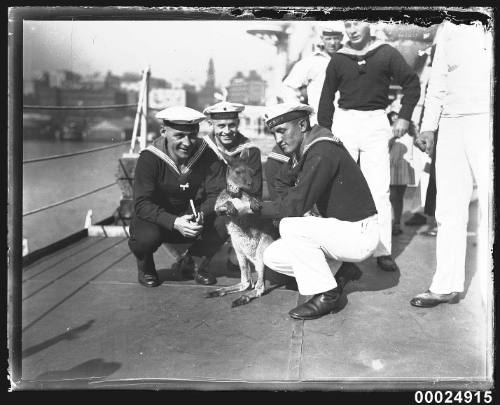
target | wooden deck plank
[{"x": 127, "y": 331}]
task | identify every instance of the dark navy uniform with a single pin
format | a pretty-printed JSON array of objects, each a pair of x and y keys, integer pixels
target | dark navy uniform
[
  {"x": 162, "y": 193},
  {"x": 277, "y": 169},
  {"x": 326, "y": 175}
]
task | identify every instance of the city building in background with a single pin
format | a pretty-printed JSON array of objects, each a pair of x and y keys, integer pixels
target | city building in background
[
  {"x": 206, "y": 95},
  {"x": 69, "y": 89},
  {"x": 248, "y": 90}
]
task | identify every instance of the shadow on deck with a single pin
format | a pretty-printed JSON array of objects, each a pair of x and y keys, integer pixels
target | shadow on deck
[{"x": 87, "y": 323}]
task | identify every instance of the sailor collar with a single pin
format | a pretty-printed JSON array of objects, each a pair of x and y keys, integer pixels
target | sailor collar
[
  {"x": 222, "y": 152},
  {"x": 282, "y": 158},
  {"x": 158, "y": 148},
  {"x": 347, "y": 50},
  {"x": 315, "y": 137}
]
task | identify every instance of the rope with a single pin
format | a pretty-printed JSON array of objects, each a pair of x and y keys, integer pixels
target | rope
[
  {"x": 75, "y": 107},
  {"x": 41, "y": 159},
  {"x": 69, "y": 199}
]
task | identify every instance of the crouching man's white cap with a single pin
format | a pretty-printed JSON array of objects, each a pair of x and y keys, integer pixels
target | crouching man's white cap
[
  {"x": 224, "y": 110},
  {"x": 279, "y": 113},
  {"x": 180, "y": 117}
]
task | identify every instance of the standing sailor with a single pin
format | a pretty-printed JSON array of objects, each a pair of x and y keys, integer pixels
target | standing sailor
[
  {"x": 327, "y": 176},
  {"x": 174, "y": 170},
  {"x": 228, "y": 143},
  {"x": 362, "y": 72},
  {"x": 310, "y": 71}
]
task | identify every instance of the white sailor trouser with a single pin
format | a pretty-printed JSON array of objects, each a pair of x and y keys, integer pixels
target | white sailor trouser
[
  {"x": 366, "y": 134},
  {"x": 463, "y": 153},
  {"x": 307, "y": 242}
]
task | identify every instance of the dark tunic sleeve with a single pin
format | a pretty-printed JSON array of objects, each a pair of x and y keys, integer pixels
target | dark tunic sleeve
[
  {"x": 285, "y": 178},
  {"x": 254, "y": 161},
  {"x": 405, "y": 76},
  {"x": 214, "y": 183},
  {"x": 326, "y": 108},
  {"x": 272, "y": 168},
  {"x": 147, "y": 174},
  {"x": 313, "y": 179}
]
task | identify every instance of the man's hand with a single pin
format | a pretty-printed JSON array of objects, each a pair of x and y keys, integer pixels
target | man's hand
[
  {"x": 242, "y": 207},
  {"x": 425, "y": 142},
  {"x": 400, "y": 127},
  {"x": 187, "y": 226}
]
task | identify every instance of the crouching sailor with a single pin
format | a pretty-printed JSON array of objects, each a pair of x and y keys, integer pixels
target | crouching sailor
[
  {"x": 176, "y": 168},
  {"x": 277, "y": 164},
  {"x": 228, "y": 143},
  {"x": 347, "y": 230}
]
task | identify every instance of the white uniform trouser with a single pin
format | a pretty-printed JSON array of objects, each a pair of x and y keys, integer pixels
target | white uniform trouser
[
  {"x": 366, "y": 134},
  {"x": 307, "y": 242},
  {"x": 462, "y": 154}
]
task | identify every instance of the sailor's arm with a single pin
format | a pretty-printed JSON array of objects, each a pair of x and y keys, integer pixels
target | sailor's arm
[{"x": 146, "y": 178}]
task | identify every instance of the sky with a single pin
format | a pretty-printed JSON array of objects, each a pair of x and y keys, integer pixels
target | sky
[{"x": 177, "y": 51}]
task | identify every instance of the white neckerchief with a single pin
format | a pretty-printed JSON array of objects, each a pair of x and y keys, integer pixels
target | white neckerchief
[
  {"x": 168, "y": 160},
  {"x": 220, "y": 152},
  {"x": 347, "y": 50}
]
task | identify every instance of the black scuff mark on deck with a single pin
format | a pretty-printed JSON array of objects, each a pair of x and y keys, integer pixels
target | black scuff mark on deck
[{"x": 296, "y": 347}]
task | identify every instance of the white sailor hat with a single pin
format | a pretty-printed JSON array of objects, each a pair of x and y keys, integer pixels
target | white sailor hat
[
  {"x": 180, "y": 117},
  {"x": 223, "y": 110},
  {"x": 331, "y": 30},
  {"x": 279, "y": 113}
]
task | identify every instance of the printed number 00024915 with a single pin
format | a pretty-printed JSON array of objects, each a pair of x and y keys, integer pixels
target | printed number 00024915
[{"x": 453, "y": 397}]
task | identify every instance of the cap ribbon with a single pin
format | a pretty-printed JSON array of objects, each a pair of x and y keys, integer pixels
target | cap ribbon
[{"x": 288, "y": 116}]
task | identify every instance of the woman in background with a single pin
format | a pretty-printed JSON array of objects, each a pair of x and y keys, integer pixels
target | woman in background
[{"x": 402, "y": 173}]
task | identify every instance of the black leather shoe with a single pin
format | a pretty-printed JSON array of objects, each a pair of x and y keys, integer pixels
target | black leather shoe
[
  {"x": 396, "y": 230},
  {"x": 347, "y": 272},
  {"x": 147, "y": 275},
  {"x": 205, "y": 278},
  {"x": 416, "y": 219},
  {"x": 201, "y": 274},
  {"x": 185, "y": 266},
  {"x": 387, "y": 263},
  {"x": 429, "y": 299},
  {"x": 319, "y": 305},
  {"x": 149, "y": 279}
]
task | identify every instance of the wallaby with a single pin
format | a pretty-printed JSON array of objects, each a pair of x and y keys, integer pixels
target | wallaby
[{"x": 250, "y": 234}]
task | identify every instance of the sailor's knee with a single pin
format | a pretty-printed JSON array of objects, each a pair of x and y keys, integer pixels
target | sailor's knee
[
  {"x": 272, "y": 254},
  {"x": 145, "y": 239}
]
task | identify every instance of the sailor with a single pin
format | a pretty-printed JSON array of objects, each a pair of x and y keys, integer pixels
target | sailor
[
  {"x": 362, "y": 72},
  {"x": 309, "y": 73},
  {"x": 346, "y": 232},
  {"x": 276, "y": 162},
  {"x": 227, "y": 142},
  {"x": 177, "y": 168}
]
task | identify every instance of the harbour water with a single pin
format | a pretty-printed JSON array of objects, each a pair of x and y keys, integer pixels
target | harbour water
[{"x": 50, "y": 181}]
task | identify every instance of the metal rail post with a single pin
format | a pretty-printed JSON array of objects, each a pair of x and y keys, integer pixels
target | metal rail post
[{"x": 144, "y": 112}]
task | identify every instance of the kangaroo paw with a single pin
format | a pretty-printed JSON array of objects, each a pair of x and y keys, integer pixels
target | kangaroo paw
[
  {"x": 215, "y": 293},
  {"x": 243, "y": 300}
]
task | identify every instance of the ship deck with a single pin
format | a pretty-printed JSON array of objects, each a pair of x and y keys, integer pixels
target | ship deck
[{"x": 87, "y": 323}]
